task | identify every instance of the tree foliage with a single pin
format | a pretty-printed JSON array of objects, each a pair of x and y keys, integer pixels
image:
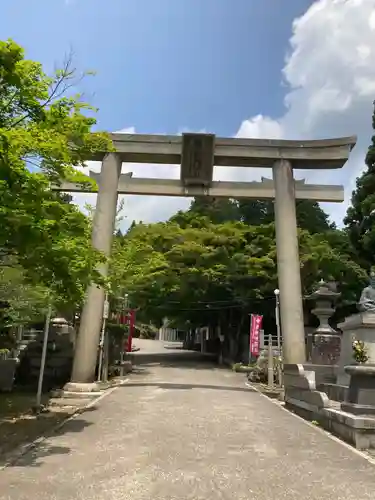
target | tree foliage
[
  {"x": 174, "y": 270},
  {"x": 310, "y": 215},
  {"x": 21, "y": 301},
  {"x": 360, "y": 217},
  {"x": 45, "y": 132}
]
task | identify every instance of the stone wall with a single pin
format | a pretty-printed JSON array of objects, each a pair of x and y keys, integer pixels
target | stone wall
[{"x": 60, "y": 351}]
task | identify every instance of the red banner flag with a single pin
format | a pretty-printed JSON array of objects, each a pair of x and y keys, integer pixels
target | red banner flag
[{"x": 255, "y": 327}]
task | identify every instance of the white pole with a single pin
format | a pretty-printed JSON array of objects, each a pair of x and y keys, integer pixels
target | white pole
[
  {"x": 270, "y": 362},
  {"x": 277, "y": 315},
  {"x": 44, "y": 355},
  {"x": 102, "y": 334},
  {"x": 122, "y": 357},
  {"x": 105, "y": 358}
]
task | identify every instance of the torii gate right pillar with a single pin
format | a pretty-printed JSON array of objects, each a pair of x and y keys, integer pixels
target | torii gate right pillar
[{"x": 288, "y": 264}]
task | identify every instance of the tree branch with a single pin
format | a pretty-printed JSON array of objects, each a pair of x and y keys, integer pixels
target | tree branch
[{"x": 59, "y": 87}]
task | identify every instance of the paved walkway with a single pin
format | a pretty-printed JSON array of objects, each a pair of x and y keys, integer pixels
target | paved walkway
[{"x": 188, "y": 433}]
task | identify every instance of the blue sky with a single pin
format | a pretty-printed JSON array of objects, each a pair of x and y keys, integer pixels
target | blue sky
[{"x": 164, "y": 66}]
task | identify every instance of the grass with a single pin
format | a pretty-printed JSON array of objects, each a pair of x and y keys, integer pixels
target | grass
[
  {"x": 241, "y": 368},
  {"x": 274, "y": 393},
  {"x": 14, "y": 404}
]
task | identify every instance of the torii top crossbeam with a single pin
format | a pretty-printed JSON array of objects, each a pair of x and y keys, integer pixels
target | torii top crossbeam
[
  {"x": 231, "y": 152},
  {"x": 199, "y": 153}
]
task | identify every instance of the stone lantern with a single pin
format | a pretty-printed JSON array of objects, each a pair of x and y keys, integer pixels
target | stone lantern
[
  {"x": 325, "y": 341},
  {"x": 61, "y": 327}
]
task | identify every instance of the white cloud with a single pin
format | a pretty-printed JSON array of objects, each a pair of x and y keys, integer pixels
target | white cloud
[
  {"x": 260, "y": 127},
  {"x": 330, "y": 73},
  {"x": 330, "y": 77}
]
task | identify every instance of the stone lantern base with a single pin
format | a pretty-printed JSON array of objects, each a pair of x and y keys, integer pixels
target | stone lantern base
[{"x": 325, "y": 349}]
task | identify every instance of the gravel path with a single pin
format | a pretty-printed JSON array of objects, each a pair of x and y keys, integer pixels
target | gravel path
[{"x": 188, "y": 433}]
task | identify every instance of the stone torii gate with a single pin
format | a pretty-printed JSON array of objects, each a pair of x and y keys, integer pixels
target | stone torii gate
[{"x": 198, "y": 154}]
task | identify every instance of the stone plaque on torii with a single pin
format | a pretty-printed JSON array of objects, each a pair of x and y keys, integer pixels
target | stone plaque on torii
[{"x": 198, "y": 154}]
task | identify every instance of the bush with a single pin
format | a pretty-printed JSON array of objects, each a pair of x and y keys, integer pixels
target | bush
[
  {"x": 260, "y": 370},
  {"x": 359, "y": 351},
  {"x": 4, "y": 353}
]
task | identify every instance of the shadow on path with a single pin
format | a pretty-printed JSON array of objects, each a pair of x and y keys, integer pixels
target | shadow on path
[
  {"x": 33, "y": 457},
  {"x": 172, "y": 386},
  {"x": 176, "y": 362}
]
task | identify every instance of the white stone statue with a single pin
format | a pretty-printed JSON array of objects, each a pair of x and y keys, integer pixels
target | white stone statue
[{"x": 367, "y": 299}]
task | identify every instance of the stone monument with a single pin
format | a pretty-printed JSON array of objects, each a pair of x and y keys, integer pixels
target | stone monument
[
  {"x": 347, "y": 409},
  {"x": 361, "y": 327},
  {"x": 60, "y": 352},
  {"x": 367, "y": 299},
  {"x": 325, "y": 341}
]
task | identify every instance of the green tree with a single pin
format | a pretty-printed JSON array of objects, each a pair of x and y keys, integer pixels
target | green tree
[
  {"x": 360, "y": 217},
  {"x": 45, "y": 132},
  {"x": 256, "y": 212},
  {"x": 218, "y": 210},
  {"x": 217, "y": 272},
  {"x": 310, "y": 216},
  {"x": 21, "y": 301}
]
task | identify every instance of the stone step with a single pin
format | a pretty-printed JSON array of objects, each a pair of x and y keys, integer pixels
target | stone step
[
  {"x": 30, "y": 335},
  {"x": 61, "y": 393},
  {"x": 335, "y": 405},
  {"x": 334, "y": 392},
  {"x": 69, "y": 402}
]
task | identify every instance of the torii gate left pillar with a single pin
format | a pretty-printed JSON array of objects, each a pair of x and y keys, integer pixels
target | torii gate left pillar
[
  {"x": 198, "y": 153},
  {"x": 86, "y": 349}
]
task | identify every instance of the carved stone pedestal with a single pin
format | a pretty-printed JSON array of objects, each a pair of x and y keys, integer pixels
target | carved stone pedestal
[
  {"x": 361, "y": 327},
  {"x": 361, "y": 394}
]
